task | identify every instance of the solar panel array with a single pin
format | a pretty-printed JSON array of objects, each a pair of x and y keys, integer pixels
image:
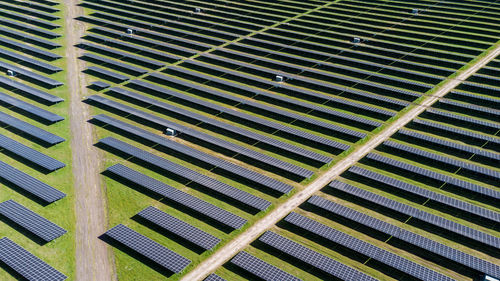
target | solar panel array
[
  {"x": 364, "y": 248},
  {"x": 311, "y": 257},
  {"x": 178, "y": 196},
  {"x": 197, "y": 155},
  {"x": 179, "y": 228},
  {"x": 413, "y": 239},
  {"x": 214, "y": 185},
  {"x": 214, "y": 277},
  {"x": 424, "y": 216},
  {"x": 254, "y": 80},
  {"x": 31, "y": 221},
  {"x": 260, "y": 268},
  {"x": 148, "y": 248},
  {"x": 26, "y": 264}
]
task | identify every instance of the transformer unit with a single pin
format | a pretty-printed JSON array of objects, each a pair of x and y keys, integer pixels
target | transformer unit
[
  {"x": 356, "y": 40},
  {"x": 279, "y": 78},
  {"x": 197, "y": 10},
  {"x": 414, "y": 11},
  {"x": 130, "y": 31},
  {"x": 170, "y": 132},
  {"x": 11, "y": 73}
]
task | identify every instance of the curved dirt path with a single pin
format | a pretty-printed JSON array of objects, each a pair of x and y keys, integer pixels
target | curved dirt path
[
  {"x": 239, "y": 243},
  {"x": 93, "y": 257}
]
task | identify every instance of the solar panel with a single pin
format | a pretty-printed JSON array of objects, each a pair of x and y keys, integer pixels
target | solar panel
[
  {"x": 438, "y": 161},
  {"x": 214, "y": 277},
  {"x": 465, "y": 151},
  {"x": 285, "y": 148},
  {"x": 179, "y": 228},
  {"x": 134, "y": 49},
  {"x": 184, "y": 199},
  {"x": 25, "y": 74},
  {"x": 28, "y": 49},
  {"x": 148, "y": 248},
  {"x": 237, "y": 101},
  {"x": 370, "y": 251},
  {"x": 407, "y": 188},
  {"x": 28, "y": 38},
  {"x": 40, "y": 114},
  {"x": 28, "y": 129},
  {"x": 471, "y": 109},
  {"x": 312, "y": 258},
  {"x": 31, "y": 92},
  {"x": 285, "y": 101},
  {"x": 241, "y": 117},
  {"x": 197, "y": 155},
  {"x": 33, "y": 63},
  {"x": 31, "y": 221},
  {"x": 466, "y": 136},
  {"x": 29, "y": 29},
  {"x": 30, "y": 155},
  {"x": 455, "y": 119},
  {"x": 213, "y": 185},
  {"x": 413, "y": 239},
  {"x": 134, "y": 70},
  {"x": 26, "y": 264},
  {"x": 28, "y": 11},
  {"x": 103, "y": 73},
  {"x": 475, "y": 99},
  {"x": 402, "y": 167},
  {"x": 260, "y": 268},
  {"x": 29, "y": 184},
  {"x": 206, "y": 139},
  {"x": 455, "y": 228},
  {"x": 124, "y": 56}
]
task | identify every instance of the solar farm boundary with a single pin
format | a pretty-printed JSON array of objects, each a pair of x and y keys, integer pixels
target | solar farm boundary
[{"x": 225, "y": 253}]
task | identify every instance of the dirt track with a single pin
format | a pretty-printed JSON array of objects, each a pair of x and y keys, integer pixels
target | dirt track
[
  {"x": 239, "y": 243},
  {"x": 93, "y": 258}
]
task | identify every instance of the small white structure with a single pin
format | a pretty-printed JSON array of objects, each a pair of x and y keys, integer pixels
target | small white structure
[
  {"x": 279, "y": 78},
  {"x": 488, "y": 278},
  {"x": 170, "y": 132},
  {"x": 130, "y": 31},
  {"x": 197, "y": 10},
  {"x": 356, "y": 40},
  {"x": 11, "y": 73},
  {"x": 414, "y": 11}
]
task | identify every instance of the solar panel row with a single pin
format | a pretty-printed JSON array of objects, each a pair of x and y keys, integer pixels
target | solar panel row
[
  {"x": 413, "y": 239},
  {"x": 28, "y": 11},
  {"x": 29, "y": 29},
  {"x": 26, "y": 74},
  {"x": 286, "y": 102},
  {"x": 485, "y": 101},
  {"x": 466, "y": 136},
  {"x": 124, "y": 56},
  {"x": 271, "y": 111},
  {"x": 28, "y": 49},
  {"x": 28, "y": 129},
  {"x": 103, "y": 73},
  {"x": 370, "y": 251},
  {"x": 31, "y": 221},
  {"x": 148, "y": 248},
  {"x": 26, "y": 264},
  {"x": 421, "y": 174},
  {"x": 29, "y": 154},
  {"x": 312, "y": 258},
  {"x": 31, "y": 92},
  {"x": 179, "y": 228},
  {"x": 33, "y": 63},
  {"x": 407, "y": 188},
  {"x": 465, "y": 151},
  {"x": 29, "y": 184},
  {"x": 133, "y": 48},
  {"x": 134, "y": 70},
  {"x": 248, "y": 119},
  {"x": 213, "y": 185},
  {"x": 197, "y": 155},
  {"x": 214, "y": 277},
  {"x": 260, "y": 268},
  {"x": 38, "y": 113},
  {"x": 455, "y": 228},
  {"x": 452, "y": 118},
  {"x": 179, "y": 197},
  {"x": 470, "y": 109},
  {"x": 28, "y": 38},
  {"x": 29, "y": 19},
  {"x": 438, "y": 161},
  {"x": 199, "y": 119},
  {"x": 206, "y": 139}
]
